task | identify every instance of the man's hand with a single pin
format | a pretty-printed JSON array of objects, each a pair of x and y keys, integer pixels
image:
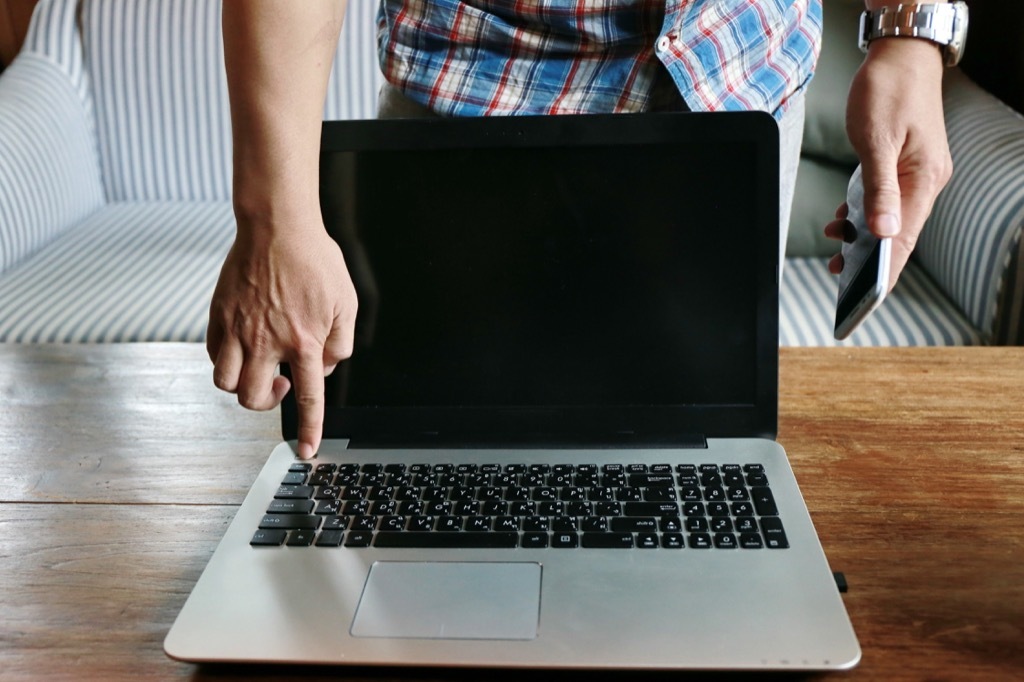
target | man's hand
[
  {"x": 282, "y": 302},
  {"x": 894, "y": 120}
]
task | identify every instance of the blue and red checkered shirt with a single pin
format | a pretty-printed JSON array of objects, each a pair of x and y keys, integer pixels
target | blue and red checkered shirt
[{"x": 485, "y": 57}]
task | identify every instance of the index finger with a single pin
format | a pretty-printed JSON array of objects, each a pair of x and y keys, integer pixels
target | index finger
[{"x": 308, "y": 383}]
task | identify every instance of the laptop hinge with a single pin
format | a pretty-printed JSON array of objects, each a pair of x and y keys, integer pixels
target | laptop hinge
[{"x": 434, "y": 440}]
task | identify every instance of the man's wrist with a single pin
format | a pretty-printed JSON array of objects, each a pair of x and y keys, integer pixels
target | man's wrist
[{"x": 943, "y": 24}]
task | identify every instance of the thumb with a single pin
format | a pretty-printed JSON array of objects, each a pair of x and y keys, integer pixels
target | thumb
[{"x": 882, "y": 199}]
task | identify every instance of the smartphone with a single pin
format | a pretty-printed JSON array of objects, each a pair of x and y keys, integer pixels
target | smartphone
[{"x": 864, "y": 280}]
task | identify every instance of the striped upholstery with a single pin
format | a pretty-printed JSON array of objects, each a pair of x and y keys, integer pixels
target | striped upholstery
[
  {"x": 163, "y": 120},
  {"x": 977, "y": 220},
  {"x": 115, "y": 155},
  {"x": 129, "y": 272},
  {"x": 49, "y": 174},
  {"x": 917, "y": 313}
]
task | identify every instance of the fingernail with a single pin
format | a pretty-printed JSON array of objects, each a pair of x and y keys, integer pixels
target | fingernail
[
  {"x": 305, "y": 451},
  {"x": 887, "y": 225}
]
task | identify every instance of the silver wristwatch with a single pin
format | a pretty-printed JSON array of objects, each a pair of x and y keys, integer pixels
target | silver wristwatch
[{"x": 943, "y": 23}]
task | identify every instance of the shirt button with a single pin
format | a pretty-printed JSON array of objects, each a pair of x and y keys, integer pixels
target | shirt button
[{"x": 664, "y": 43}]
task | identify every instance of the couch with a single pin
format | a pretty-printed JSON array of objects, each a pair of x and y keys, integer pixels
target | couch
[{"x": 115, "y": 207}]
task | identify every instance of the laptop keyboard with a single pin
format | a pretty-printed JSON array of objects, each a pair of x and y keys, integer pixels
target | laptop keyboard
[{"x": 533, "y": 506}]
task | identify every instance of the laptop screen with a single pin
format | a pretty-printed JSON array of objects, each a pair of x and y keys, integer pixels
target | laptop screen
[{"x": 518, "y": 276}]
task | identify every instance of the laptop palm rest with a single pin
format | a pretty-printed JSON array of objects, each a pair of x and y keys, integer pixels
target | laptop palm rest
[{"x": 450, "y": 600}]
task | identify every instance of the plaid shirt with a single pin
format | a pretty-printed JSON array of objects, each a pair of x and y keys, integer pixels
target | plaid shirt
[{"x": 486, "y": 57}]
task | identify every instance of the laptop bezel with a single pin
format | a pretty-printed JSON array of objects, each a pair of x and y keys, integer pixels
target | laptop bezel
[{"x": 647, "y": 425}]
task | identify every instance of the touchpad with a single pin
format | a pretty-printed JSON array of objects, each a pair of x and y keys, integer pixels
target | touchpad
[{"x": 449, "y": 600}]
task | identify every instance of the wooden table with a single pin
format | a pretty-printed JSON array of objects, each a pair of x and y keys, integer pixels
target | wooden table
[{"x": 122, "y": 466}]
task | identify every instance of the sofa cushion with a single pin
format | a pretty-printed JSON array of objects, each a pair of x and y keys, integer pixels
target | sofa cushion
[
  {"x": 140, "y": 271},
  {"x": 49, "y": 174},
  {"x": 917, "y": 313}
]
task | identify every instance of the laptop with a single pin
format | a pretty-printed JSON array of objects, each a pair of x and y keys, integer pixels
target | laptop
[{"x": 554, "y": 444}]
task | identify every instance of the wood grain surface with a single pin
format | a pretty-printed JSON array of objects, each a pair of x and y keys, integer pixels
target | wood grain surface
[{"x": 123, "y": 465}]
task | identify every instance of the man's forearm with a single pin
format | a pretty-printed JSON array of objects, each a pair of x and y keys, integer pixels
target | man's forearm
[{"x": 278, "y": 57}]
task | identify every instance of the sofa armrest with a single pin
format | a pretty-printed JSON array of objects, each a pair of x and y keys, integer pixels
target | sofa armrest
[
  {"x": 49, "y": 172},
  {"x": 971, "y": 240}
]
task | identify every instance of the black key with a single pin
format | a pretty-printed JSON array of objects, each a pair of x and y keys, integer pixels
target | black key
[
  {"x": 545, "y": 494},
  {"x": 385, "y": 508},
  {"x": 294, "y": 478},
  {"x": 330, "y": 538},
  {"x": 550, "y": 509},
  {"x": 352, "y": 492},
  {"x": 714, "y": 493},
  {"x": 696, "y": 524},
  {"x": 632, "y": 468},
  {"x": 534, "y": 540},
  {"x": 647, "y": 540},
  {"x": 651, "y": 480},
  {"x": 300, "y": 466},
  {"x": 764, "y": 501},
  {"x": 750, "y": 541},
  {"x": 419, "y": 468},
  {"x": 712, "y": 478},
  {"x": 742, "y": 509},
  {"x": 421, "y": 523},
  {"x": 464, "y": 469},
  {"x": 394, "y": 468},
  {"x": 634, "y": 525},
  {"x": 449, "y": 523},
  {"x": 362, "y": 538},
  {"x": 746, "y": 524},
  {"x": 522, "y": 509},
  {"x": 565, "y": 524},
  {"x": 607, "y": 509},
  {"x": 578, "y": 509},
  {"x": 290, "y": 521},
  {"x": 721, "y": 524},
  {"x": 506, "y": 523},
  {"x": 565, "y": 540},
  {"x": 596, "y": 524},
  {"x": 392, "y": 522},
  {"x": 268, "y": 538},
  {"x": 671, "y": 524},
  {"x": 321, "y": 479},
  {"x": 464, "y": 539},
  {"x": 632, "y": 494},
  {"x": 336, "y": 523},
  {"x": 364, "y": 523},
  {"x": 661, "y": 468},
  {"x": 411, "y": 508},
  {"x": 660, "y": 495},
  {"x": 708, "y": 468},
  {"x": 290, "y": 507},
  {"x": 536, "y": 524},
  {"x": 757, "y": 479},
  {"x": 301, "y": 538},
  {"x": 672, "y": 541},
  {"x": 494, "y": 508},
  {"x": 737, "y": 494},
  {"x": 753, "y": 468},
  {"x": 294, "y": 492},
  {"x": 694, "y": 509},
  {"x": 479, "y": 523},
  {"x": 651, "y": 509},
  {"x": 327, "y": 507},
  {"x": 718, "y": 509},
  {"x": 686, "y": 469},
  {"x": 327, "y": 492},
  {"x": 700, "y": 541},
  {"x": 690, "y": 493},
  {"x": 608, "y": 540},
  {"x": 348, "y": 469},
  {"x": 382, "y": 492},
  {"x": 326, "y": 468},
  {"x": 356, "y": 507},
  {"x": 774, "y": 534},
  {"x": 725, "y": 541}
]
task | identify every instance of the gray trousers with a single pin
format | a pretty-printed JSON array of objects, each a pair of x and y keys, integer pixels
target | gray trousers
[{"x": 393, "y": 104}]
